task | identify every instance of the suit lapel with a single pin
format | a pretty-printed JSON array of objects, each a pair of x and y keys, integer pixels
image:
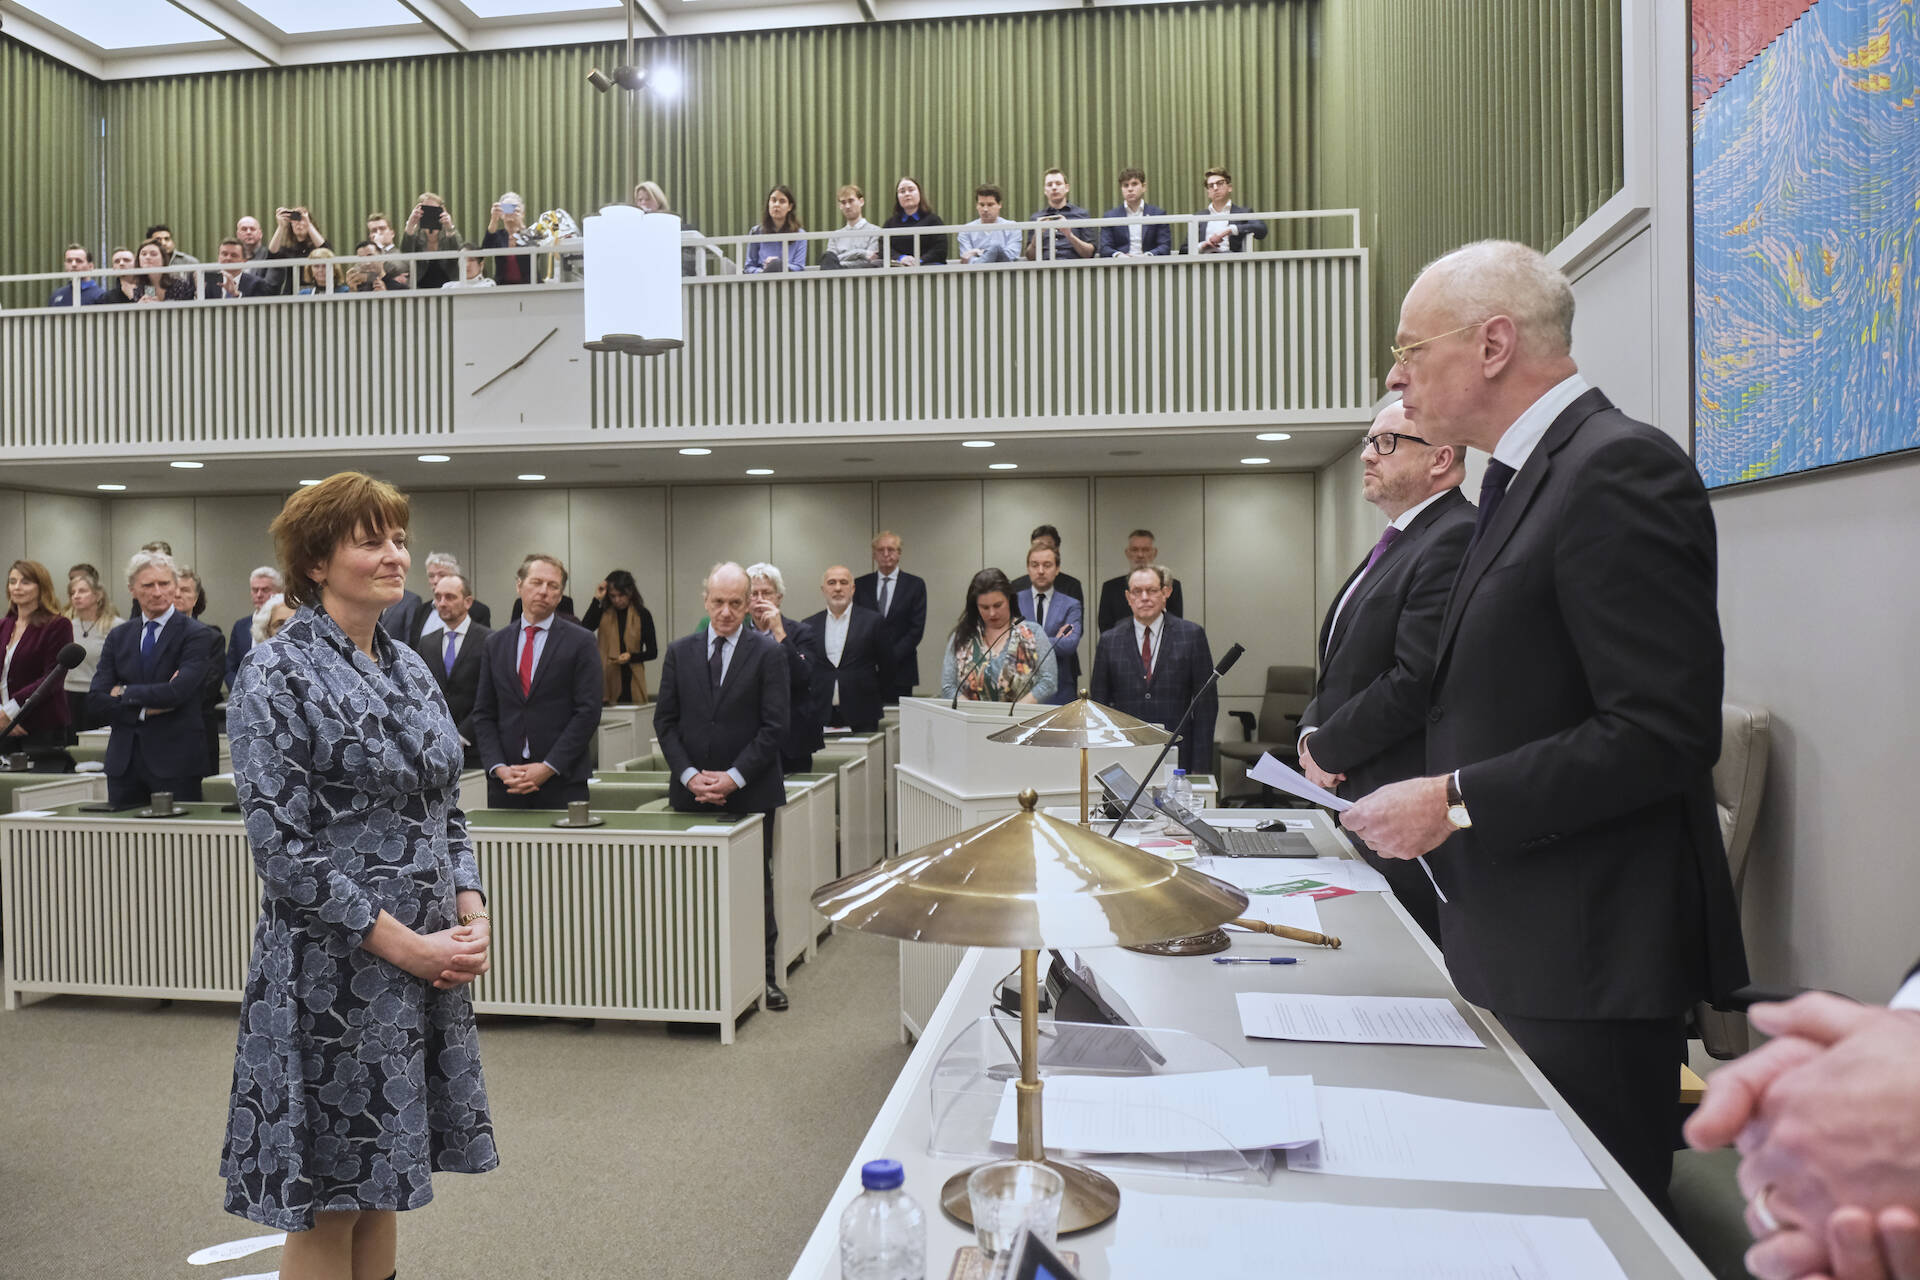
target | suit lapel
[
  {"x": 736, "y": 666},
  {"x": 166, "y": 646}
]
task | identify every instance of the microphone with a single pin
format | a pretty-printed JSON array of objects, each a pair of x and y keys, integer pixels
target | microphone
[
  {"x": 1231, "y": 656},
  {"x": 67, "y": 659}
]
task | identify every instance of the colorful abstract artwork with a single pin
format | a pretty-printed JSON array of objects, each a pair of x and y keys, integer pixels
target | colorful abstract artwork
[{"x": 1806, "y": 181}]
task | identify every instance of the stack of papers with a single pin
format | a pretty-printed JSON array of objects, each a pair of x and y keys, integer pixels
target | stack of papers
[
  {"x": 1377, "y": 1133},
  {"x": 1427, "y": 1020},
  {"x": 1241, "y": 1109},
  {"x": 1342, "y": 873},
  {"x": 1239, "y": 1238}
]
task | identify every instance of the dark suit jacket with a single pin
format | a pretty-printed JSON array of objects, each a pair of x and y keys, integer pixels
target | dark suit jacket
[
  {"x": 173, "y": 681},
  {"x": 906, "y": 623},
  {"x": 402, "y": 617},
  {"x": 865, "y": 672},
  {"x": 1179, "y": 669},
  {"x": 238, "y": 644},
  {"x": 33, "y": 663},
  {"x": 462, "y": 688},
  {"x": 417, "y": 624},
  {"x": 1062, "y": 609},
  {"x": 558, "y": 716},
  {"x": 1064, "y": 582},
  {"x": 1113, "y": 602},
  {"x": 1155, "y": 239},
  {"x": 1577, "y": 690},
  {"x": 738, "y": 727},
  {"x": 803, "y": 736},
  {"x": 1241, "y": 235},
  {"x": 1369, "y": 709}
]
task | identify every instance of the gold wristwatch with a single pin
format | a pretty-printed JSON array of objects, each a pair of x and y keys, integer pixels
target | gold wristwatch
[{"x": 1456, "y": 807}]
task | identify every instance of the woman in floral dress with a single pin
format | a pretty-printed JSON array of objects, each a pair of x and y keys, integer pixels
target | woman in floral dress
[{"x": 358, "y": 1069}]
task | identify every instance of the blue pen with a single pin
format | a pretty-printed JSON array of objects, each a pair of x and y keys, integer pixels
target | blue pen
[{"x": 1256, "y": 960}]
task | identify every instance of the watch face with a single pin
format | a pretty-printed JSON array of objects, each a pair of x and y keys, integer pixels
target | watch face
[{"x": 1457, "y": 815}]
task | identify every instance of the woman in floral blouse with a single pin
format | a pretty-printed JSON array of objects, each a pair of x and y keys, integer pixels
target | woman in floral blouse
[
  {"x": 358, "y": 1069},
  {"x": 993, "y": 654}
]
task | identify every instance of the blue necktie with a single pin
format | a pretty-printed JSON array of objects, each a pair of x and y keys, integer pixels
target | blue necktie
[
  {"x": 147, "y": 642},
  {"x": 451, "y": 637}
]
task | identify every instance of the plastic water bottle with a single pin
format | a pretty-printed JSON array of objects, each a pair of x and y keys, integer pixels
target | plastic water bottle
[
  {"x": 1181, "y": 790},
  {"x": 883, "y": 1233}
]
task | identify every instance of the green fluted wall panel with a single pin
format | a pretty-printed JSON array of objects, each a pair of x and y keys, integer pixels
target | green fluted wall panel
[
  {"x": 1447, "y": 121},
  {"x": 49, "y": 167},
  {"x": 954, "y": 103}
]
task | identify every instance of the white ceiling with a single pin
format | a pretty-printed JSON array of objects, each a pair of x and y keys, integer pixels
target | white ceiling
[
  {"x": 125, "y": 39},
  {"x": 1128, "y": 453}
]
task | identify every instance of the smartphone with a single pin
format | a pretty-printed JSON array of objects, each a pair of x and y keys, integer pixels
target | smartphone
[{"x": 430, "y": 218}]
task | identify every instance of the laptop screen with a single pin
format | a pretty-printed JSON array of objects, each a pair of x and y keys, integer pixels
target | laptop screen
[
  {"x": 1120, "y": 787},
  {"x": 1202, "y": 830}
]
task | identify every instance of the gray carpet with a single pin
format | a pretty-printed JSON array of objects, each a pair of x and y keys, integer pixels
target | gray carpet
[{"x": 627, "y": 1149}]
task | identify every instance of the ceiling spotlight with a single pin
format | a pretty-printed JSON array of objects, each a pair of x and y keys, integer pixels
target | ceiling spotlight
[
  {"x": 632, "y": 79},
  {"x": 1255, "y": 462},
  {"x": 666, "y": 82},
  {"x": 598, "y": 80},
  {"x": 1003, "y": 466},
  {"x": 435, "y": 457},
  {"x": 187, "y": 466},
  {"x": 759, "y": 471},
  {"x": 695, "y": 453},
  {"x": 976, "y": 444},
  {"x": 531, "y": 475},
  {"x": 1273, "y": 437},
  {"x": 110, "y": 488}
]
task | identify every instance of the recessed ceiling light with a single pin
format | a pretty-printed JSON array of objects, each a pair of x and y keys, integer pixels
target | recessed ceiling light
[
  {"x": 308, "y": 484},
  {"x": 695, "y": 453},
  {"x": 531, "y": 475},
  {"x": 111, "y": 488},
  {"x": 759, "y": 471},
  {"x": 1255, "y": 462},
  {"x": 435, "y": 457},
  {"x": 187, "y": 466},
  {"x": 976, "y": 444},
  {"x": 1003, "y": 466},
  {"x": 1273, "y": 437}
]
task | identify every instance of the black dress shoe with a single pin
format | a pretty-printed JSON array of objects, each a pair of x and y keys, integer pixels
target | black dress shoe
[{"x": 776, "y": 998}]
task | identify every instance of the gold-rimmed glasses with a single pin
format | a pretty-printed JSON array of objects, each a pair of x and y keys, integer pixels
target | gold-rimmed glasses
[{"x": 1401, "y": 355}]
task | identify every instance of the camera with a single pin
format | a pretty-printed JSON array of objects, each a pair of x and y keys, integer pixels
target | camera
[
  {"x": 430, "y": 217},
  {"x": 295, "y": 215}
]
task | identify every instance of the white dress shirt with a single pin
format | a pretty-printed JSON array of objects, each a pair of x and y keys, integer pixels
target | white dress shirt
[
  {"x": 1908, "y": 997},
  {"x": 836, "y": 642},
  {"x": 539, "y": 638},
  {"x": 1516, "y": 445},
  {"x": 459, "y": 645}
]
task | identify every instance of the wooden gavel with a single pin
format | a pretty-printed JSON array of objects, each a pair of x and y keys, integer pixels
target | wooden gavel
[{"x": 1287, "y": 931}]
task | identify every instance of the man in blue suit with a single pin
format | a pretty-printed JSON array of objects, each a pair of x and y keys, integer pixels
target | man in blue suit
[
  {"x": 901, "y": 601},
  {"x": 1057, "y": 615},
  {"x": 538, "y": 705},
  {"x": 1155, "y": 240},
  {"x": 78, "y": 259},
  {"x": 1152, "y": 664},
  {"x": 147, "y": 688}
]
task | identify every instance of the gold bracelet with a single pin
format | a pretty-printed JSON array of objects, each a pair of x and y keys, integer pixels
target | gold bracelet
[{"x": 471, "y": 916}]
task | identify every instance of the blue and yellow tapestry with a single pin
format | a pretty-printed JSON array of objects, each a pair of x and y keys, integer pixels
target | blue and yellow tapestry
[{"x": 1806, "y": 180}]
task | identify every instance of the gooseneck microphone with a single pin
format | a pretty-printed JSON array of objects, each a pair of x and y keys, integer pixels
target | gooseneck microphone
[
  {"x": 69, "y": 657},
  {"x": 1220, "y": 668}
]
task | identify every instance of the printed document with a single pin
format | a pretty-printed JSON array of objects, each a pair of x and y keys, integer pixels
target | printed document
[
  {"x": 1239, "y": 1109},
  {"x": 1427, "y": 1020},
  {"x": 1378, "y": 1133}
]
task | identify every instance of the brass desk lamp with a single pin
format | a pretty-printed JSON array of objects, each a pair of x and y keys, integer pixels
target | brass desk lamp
[
  {"x": 1029, "y": 881},
  {"x": 1082, "y": 723}
]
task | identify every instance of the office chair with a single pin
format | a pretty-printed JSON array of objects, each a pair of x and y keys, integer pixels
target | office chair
[{"x": 1288, "y": 691}]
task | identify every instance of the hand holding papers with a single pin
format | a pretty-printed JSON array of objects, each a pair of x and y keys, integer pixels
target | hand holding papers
[
  {"x": 1274, "y": 774},
  {"x": 1426, "y": 1020},
  {"x": 1377, "y": 1133}
]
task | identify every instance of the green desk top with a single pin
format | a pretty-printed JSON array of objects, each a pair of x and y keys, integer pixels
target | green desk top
[
  {"x": 201, "y": 812},
  {"x": 507, "y": 819},
  {"x": 640, "y": 777}
]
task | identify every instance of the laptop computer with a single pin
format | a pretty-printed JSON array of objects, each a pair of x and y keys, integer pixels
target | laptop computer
[
  {"x": 1120, "y": 786},
  {"x": 1238, "y": 842}
]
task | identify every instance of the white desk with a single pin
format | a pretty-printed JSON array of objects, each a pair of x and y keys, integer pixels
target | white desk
[{"x": 1383, "y": 954}]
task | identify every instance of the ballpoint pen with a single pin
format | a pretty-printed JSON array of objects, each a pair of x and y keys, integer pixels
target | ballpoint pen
[{"x": 1256, "y": 959}]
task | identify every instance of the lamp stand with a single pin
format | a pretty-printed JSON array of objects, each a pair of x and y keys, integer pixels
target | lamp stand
[{"x": 1090, "y": 1197}]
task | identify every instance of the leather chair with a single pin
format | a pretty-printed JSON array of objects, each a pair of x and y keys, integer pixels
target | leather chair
[
  {"x": 1739, "y": 781},
  {"x": 1289, "y": 690}
]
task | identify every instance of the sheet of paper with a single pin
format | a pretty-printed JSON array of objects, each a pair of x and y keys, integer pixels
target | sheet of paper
[
  {"x": 1269, "y": 905},
  {"x": 1285, "y": 778},
  {"x": 1241, "y": 1238},
  {"x": 1238, "y": 1109},
  {"x": 1342, "y": 873},
  {"x": 1425, "y": 1020},
  {"x": 1377, "y": 1133}
]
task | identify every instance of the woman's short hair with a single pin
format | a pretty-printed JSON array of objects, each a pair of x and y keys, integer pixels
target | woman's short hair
[
  {"x": 319, "y": 518},
  {"x": 49, "y": 606}
]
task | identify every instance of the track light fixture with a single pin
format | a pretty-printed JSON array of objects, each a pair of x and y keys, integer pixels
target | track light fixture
[{"x": 598, "y": 80}]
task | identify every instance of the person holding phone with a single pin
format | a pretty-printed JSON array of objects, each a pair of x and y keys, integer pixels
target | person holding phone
[
  {"x": 295, "y": 235},
  {"x": 506, "y": 223},
  {"x": 1060, "y": 245},
  {"x": 430, "y": 228}
]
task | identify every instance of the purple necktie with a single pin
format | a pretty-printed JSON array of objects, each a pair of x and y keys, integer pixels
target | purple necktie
[{"x": 1380, "y": 548}]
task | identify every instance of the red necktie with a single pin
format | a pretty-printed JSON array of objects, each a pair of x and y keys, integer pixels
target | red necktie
[
  {"x": 1146, "y": 651},
  {"x": 526, "y": 662}
]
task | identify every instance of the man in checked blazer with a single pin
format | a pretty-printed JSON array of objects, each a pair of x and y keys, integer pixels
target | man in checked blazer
[
  {"x": 148, "y": 687},
  {"x": 538, "y": 705},
  {"x": 1368, "y": 718},
  {"x": 1151, "y": 665}
]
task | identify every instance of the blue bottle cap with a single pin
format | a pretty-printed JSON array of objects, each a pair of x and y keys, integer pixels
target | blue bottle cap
[
  {"x": 1179, "y": 773},
  {"x": 881, "y": 1175}
]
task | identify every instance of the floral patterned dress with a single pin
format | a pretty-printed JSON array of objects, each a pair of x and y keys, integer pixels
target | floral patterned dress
[{"x": 353, "y": 1080}]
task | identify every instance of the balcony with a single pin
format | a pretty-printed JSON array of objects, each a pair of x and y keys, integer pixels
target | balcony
[{"x": 1161, "y": 343}]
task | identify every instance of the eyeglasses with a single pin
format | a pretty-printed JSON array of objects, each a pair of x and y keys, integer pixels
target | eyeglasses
[
  {"x": 1385, "y": 442},
  {"x": 1403, "y": 355}
]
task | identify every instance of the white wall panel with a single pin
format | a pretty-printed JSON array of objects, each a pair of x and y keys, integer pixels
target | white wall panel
[
  {"x": 1612, "y": 341},
  {"x": 13, "y": 525},
  {"x": 63, "y": 530},
  {"x": 813, "y": 526},
  {"x": 940, "y": 524},
  {"x": 230, "y": 542},
  {"x": 622, "y": 529},
  {"x": 1259, "y": 574},
  {"x": 1345, "y": 528},
  {"x": 138, "y": 521},
  {"x": 1174, "y": 508},
  {"x": 442, "y": 520},
  {"x": 712, "y": 523},
  {"x": 508, "y": 525}
]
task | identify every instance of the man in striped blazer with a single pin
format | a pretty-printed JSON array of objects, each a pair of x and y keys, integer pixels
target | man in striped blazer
[{"x": 1151, "y": 664}]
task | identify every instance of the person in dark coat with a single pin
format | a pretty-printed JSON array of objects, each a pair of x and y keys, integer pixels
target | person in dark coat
[
  {"x": 149, "y": 688},
  {"x": 852, "y": 657},
  {"x": 766, "y": 591}
]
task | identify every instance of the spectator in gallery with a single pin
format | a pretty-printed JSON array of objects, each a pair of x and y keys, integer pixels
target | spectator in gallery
[
  {"x": 90, "y": 610},
  {"x": 430, "y": 229},
  {"x": 294, "y": 234},
  {"x": 78, "y": 260},
  {"x": 987, "y": 238},
  {"x": 122, "y": 289},
  {"x": 32, "y": 634},
  {"x": 1135, "y": 240},
  {"x": 856, "y": 244},
  {"x": 162, "y": 234},
  {"x": 148, "y": 688},
  {"x": 263, "y": 584},
  {"x": 623, "y": 626},
  {"x": 475, "y": 277},
  {"x": 992, "y": 655},
  {"x": 1060, "y": 244},
  {"x": 190, "y": 597},
  {"x": 380, "y": 236},
  {"x": 233, "y": 280},
  {"x": 322, "y": 275},
  {"x": 369, "y": 275},
  {"x": 913, "y": 245},
  {"x": 766, "y": 593},
  {"x": 779, "y": 218},
  {"x": 1220, "y": 228},
  {"x": 156, "y": 283},
  {"x": 505, "y": 223},
  {"x": 649, "y": 198},
  {"x": 253, "y": 243}
]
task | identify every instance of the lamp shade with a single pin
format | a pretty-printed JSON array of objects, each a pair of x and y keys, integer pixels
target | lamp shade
[
  {"x": 633, "y": 301},
  {"x": 1027, "y": 880},
  {"x": 1082, "y": 723}
]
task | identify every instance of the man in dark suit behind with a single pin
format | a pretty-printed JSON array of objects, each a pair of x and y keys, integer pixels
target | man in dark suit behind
[
  {"x": 720, "y": 715},
  {"x": 424, "y": 622},
  {"x": 901, "y": 601},
  {"x": 1057, "y": 613},
  {"x": 262, "y": 585},
  {"x": 1064, "y": 582},
  {"x": 1574, "y": 718},
  {"x": 454, "y": 656},
  {"x": 1151, "y": 666},
  {"x": 1142, "y": 550},
  {"x": 538, "y": 704},
  {"x": 148, "y": 689},
  {"x": 766, "y": 592},
  {"x": 1368, "y": 717},
  {"x": 852, "y": 657}
]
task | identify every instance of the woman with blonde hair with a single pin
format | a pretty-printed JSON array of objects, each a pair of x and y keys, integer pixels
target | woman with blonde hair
[
  {"x": 314, "y": 275},
  {"x": 90, "y": 610}
]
